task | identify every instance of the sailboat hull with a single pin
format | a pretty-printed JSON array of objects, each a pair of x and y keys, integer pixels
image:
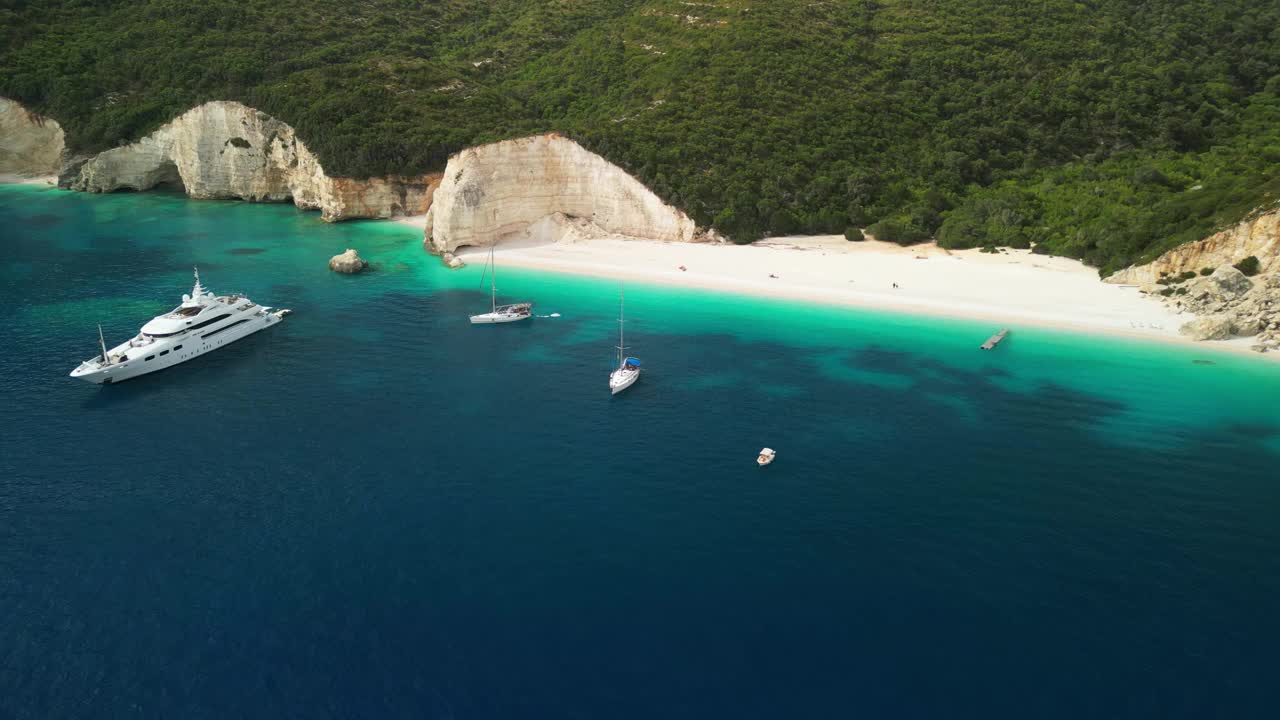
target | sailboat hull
[
  {"x": 620, "y": 380},
  {"x": 493, "y": 318},
  {"x": 498, "y": 314}
]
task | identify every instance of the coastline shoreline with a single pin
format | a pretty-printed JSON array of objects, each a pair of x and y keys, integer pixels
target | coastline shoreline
[
  {"x": 13, "y": 179},
  {"x": 1010, "y": 288},
  {"x": 418, "y": 222}
]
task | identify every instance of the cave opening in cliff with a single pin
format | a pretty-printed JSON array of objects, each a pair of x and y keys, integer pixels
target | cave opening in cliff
[{"x": 168, "y": 178}]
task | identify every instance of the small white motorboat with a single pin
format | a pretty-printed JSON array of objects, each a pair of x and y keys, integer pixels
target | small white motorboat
[{"x": 766, "y": 456}]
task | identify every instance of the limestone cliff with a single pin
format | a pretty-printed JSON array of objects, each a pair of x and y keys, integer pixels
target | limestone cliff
[
  {"x": 229, "y": 150},
  {"x": 1258, "y": 236},
  {"x": 512, "y": 187},
  {"x": 30, "y": 145}
]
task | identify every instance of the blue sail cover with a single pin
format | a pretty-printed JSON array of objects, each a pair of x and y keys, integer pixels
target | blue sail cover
[{"x": 632, "y": 362}]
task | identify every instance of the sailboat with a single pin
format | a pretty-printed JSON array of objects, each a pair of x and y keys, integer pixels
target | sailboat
[
  {"x": 628, "y": 370},
  {"x": 499, "y": 313}
]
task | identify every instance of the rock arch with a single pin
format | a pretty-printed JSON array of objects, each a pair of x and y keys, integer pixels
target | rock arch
[{"x": 228, "y": 150}]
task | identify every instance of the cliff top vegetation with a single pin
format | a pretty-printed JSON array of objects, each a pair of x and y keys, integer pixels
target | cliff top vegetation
[{"x": 1107, "y": 130}]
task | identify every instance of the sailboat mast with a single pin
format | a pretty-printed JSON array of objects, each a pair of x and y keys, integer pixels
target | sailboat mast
[
  {"x": 622, "y": 345},
  {"x": 493, "y": 281},
  {"x": 102, "y": 342}
]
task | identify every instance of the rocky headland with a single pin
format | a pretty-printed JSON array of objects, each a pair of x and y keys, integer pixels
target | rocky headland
[
  {"x": 1202, "y": 278},
  {"x": 214, "y": 151},
  {"x": 1257, "y": 236},
  {"x": 545, "y": 188},
  {"x": 1228, "y": 304},
  {"x": 30, "y": 145}
]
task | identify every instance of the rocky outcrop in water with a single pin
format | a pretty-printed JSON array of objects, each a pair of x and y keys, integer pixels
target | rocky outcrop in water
[
  {"x": 504, "y": 189},
  {"x": 1258, "y": 236},
  {"x": 1228, "y": 304},
  {"x": 229, "y": 150},
  {"x": 30, "y": 145},
  {"x": 348, "y": 262}
]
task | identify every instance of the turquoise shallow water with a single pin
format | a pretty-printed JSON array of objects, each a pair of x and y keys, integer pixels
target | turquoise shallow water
[{"x": 375, "y": 509}]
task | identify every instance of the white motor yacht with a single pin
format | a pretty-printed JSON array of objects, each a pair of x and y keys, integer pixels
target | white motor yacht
[{"x": 202, "y": 323}]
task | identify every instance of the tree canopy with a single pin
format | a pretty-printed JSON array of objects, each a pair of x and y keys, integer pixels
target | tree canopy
[{"x": 1107, "y": 130}]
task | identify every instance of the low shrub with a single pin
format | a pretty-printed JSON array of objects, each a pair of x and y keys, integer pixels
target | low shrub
[{"x": 1249, "y": 266}]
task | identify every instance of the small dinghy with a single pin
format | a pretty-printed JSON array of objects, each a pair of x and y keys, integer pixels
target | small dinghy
[{"x": 766, "y": 456}]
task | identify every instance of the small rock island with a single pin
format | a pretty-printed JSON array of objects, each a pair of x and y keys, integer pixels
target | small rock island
[{"x": 348, "y": 262}]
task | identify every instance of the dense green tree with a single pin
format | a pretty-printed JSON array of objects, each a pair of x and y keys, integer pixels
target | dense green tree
[{"x": 1103, "y": 130}]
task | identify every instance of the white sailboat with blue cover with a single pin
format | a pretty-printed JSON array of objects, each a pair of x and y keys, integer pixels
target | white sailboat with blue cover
[{"x": 628, "y": 370}]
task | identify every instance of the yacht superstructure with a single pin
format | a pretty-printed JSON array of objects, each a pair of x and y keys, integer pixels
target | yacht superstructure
[{"x": 202, "y": 323}]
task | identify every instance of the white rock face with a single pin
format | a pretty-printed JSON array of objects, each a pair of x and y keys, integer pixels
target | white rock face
[
  {"x": 1210, "y": 327},
  {"x": 500, "y": 190},
  {"x": 1228, "y": 304},
  {"x": 229, "y": 150},
  {"x": 1258, "y": 237},
  {"x": 30, "y": 145},
  {"x": 348, "y": 262}
]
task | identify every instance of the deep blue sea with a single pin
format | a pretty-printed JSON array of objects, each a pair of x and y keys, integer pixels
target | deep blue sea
[{"x": 376, "y": 510}]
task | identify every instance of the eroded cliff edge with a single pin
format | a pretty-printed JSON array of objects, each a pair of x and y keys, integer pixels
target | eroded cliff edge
[
  {"x": 1258, "y": 236},
  {"x": 1201, "y": 277},
  {"x": 216, "y": 150},
  {"x": 30, "y": 145},
  {"x": 229, "y": 150},
  {"x": 544, "y": 187}
]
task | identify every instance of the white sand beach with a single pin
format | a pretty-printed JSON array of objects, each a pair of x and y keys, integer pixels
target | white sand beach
[
  {"x": 1008, "y": 288},
  {"x": 10, "y": 179},
  {"x": 413, "y": 221}
]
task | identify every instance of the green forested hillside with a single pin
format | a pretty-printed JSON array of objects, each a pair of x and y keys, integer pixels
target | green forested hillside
[{"x": 1102, "y": 129}]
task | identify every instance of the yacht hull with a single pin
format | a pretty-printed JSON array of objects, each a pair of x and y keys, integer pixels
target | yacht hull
[{"x": 174, "y": 351}]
